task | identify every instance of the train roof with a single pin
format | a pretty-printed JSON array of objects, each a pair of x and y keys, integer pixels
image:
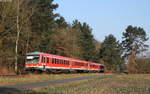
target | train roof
[{"x": 34, "y": 53}]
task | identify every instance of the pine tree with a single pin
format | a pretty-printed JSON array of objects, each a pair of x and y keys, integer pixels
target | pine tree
[
  {"x": 86, "y": 40},
  {"x": 61, "y": 22},
  {"x": 134, "y": 39},
  {"x": 110, "y": 53},
  {"x": 43, "y": 24}
]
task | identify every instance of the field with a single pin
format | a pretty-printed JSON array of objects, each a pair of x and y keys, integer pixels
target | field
[
  {"x": 31, "y": 78},
  {"x": 121, "y": 84}
]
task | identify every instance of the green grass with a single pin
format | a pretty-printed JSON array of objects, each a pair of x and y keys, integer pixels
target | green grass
[
  {"x": 124, "y": 84},
  {"x": 31, "y": 78}
]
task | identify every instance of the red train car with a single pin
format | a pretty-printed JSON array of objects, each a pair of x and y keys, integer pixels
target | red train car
[{"x": 48, "y": 62}]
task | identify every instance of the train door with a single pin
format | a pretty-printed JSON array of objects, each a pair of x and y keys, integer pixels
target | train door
[
  {"x": 48, "y": 62},
  {"x": 44, "y": 60}
]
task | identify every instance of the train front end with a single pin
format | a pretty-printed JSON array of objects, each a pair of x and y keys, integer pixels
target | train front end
[{"x": 33, "y": 62}]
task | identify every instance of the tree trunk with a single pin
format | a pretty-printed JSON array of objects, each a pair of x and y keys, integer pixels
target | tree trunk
[{"x": 17, "y": 39}]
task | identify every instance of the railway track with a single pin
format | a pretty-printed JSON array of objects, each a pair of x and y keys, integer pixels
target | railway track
[{"x": 18, "y": 88}]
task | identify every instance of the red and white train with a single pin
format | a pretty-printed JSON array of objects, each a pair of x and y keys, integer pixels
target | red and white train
[{"x": 48, "y": 62}]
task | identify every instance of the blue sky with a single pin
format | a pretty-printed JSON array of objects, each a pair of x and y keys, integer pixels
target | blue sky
[{"x": 107, "y": 16}]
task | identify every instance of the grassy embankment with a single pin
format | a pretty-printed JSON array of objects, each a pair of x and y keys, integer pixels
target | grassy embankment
[
  {"x": 122, "y": 84},
  {"x": 41, "y": 78}
]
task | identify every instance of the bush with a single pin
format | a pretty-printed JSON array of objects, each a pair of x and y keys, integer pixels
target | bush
[{"x": 142, "y": 65}]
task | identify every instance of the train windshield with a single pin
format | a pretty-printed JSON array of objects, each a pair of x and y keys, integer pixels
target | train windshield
[{"x": 33, "y": 59}]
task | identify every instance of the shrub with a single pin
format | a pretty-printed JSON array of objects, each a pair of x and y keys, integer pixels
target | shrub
[{"x": 142, "y": 65}]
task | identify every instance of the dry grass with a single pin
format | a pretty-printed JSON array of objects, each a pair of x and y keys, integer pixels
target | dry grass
[
  {"x": 40, "y": 78},
  {"x": 124, "y": 84}
]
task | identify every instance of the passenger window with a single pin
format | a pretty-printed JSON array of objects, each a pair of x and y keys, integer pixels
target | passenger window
[
  {"x": 67, "y": 62},
  {"x": 47, "y": 60},
  {"x": 64, "y": 62},
  {"x": 60, "y": 61},
  {"x": 42, "y": 59},
  {"x": 56, "y": 61},
  {"x": 53, "y": 60}
]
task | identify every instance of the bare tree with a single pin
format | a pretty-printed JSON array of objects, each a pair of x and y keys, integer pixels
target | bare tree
[
  {"x": 23, "y": 22},
  {"x": 15, "y": 22}
]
